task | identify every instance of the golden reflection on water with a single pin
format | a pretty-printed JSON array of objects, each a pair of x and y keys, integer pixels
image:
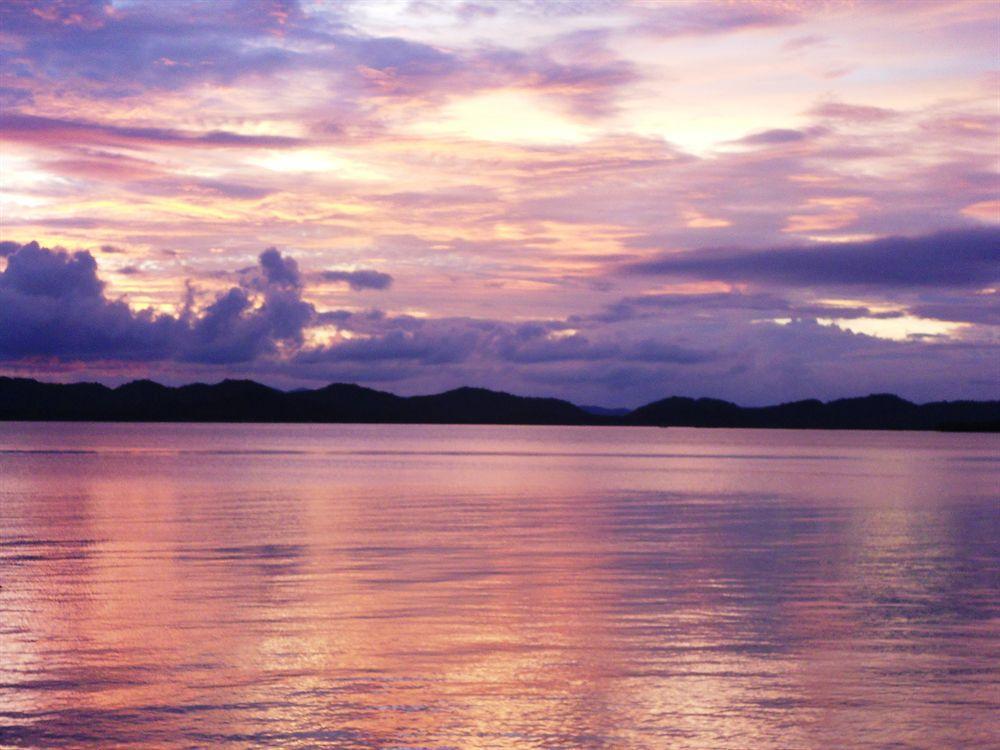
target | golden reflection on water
[{"x": 472, "y": 587}]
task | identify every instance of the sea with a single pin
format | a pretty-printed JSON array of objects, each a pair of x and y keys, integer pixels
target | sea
[{"x": 406, "y": 586}]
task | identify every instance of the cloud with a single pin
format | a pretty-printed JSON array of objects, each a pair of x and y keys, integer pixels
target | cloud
[
  {"x": 955, "y": 258},
  {"x": 37, "y": 271},
  {"x": 233, "y": 190},
  {"x": 695, "y": 18},
  {"x": 538, "y": 348},
  {"x": 978, "y": 308},
  {"x": 52, "y": 304},
  {"x": 806, "y": 41},
  {"x": 360, "y": 280},
  {"x": 472, "y": 344},
  {"x": 116, "y": 49},
  {"x": 426, "y": 347},
  {"x": 61, "y": 132},
  {"x": 587, "y": 83},
  {"x": 279, "y": 270},
  {"x": 771, "y": 137},
  {"x": 855, "y": 113}
]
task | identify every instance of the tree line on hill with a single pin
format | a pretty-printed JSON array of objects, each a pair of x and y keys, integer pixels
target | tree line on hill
[{"x": 248, "y": 401}]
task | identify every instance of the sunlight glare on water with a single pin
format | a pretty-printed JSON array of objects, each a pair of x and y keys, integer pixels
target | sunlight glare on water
[{"x": 343, "y": 586}]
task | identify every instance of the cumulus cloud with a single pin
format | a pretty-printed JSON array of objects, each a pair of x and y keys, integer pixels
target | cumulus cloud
[
  {"x": 279, "y": 270},
  {"x": 52, "y": 304}
]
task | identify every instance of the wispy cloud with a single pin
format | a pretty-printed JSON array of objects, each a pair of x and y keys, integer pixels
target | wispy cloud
[{"x": 959, "y": 258}]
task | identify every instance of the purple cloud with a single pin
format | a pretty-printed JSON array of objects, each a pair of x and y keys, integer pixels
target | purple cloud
[
  {"x": 860, "y": 113},
  {"x": 360, "y": 280},
  {"x": 53, "y": 304},
  {"x": 279, "y": 270},
  {"x": 956, "y": 258},
  {"x": 773, "y": 137},
  {"x": 58, "y": 131},
  {"x": 119, "y": 50}
]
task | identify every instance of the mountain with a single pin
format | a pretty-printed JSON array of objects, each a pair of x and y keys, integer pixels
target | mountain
[
  {"x": 876, "y": 412},
  {"x": 604, "y": 411},
  {"x": 248, "y": 401}
]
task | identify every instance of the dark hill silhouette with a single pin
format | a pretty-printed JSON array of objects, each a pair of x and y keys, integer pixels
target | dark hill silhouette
[
  {"x": 604, "y": 411},
  {"x": 482, "y": 406},
  {"x": 248, "y": 401},
  {"x": 876, "y": 412}
]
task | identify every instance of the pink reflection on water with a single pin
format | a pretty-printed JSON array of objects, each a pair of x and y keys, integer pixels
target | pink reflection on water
[{"x": 343, "y": 586}]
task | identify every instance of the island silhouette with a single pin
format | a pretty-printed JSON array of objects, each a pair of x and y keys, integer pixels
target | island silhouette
[{"x": 249, "y": 401}]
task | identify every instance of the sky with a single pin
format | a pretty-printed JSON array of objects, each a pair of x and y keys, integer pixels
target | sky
[{"x": 608, "y": 201}]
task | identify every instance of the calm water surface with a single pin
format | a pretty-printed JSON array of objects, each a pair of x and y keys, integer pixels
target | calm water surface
[{"x": 338, "y": 586}]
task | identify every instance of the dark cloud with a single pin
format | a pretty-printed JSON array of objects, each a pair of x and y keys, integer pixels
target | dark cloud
[
  {"x": 540, "y": 348},
  {"x": 227, "y": 331},
  {"x": 436, "y": 344},
  {"x": 359, "y": 280},
  {"x": 53, "y": 304},
  {"x": 37, "y": 271},
  {"x": 758, "y": 303},
  {"x": 957, "y": 258},
  {"x": 977, "y": 308},
  {"x": 651, "y": 350},
  {"x": 280, "y": 270},
  {"x": 484, "y": 343},
  {"x": 349, "y": 318}
]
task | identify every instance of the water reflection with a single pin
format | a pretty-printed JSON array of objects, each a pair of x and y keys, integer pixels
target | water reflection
[{"x": 345, "y": 587}]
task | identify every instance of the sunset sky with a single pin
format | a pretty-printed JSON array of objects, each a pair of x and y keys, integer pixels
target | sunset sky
[{"x": 601, "y": 200}]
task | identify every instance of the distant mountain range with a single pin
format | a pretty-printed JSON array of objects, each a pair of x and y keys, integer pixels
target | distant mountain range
[{"x": 247, "y": 401}]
